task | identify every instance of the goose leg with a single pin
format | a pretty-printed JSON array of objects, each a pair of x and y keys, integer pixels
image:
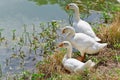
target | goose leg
[{"x": 81, "y": 58}]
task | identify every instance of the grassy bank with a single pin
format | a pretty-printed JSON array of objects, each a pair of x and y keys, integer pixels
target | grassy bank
[{"x": 107, "y": 61}]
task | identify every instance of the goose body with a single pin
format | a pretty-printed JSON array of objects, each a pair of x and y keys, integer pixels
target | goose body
[
  {"x": 82, "y": 42},
  {"x": 71, "y": 64},
  {"x": 81, "y": 26}
]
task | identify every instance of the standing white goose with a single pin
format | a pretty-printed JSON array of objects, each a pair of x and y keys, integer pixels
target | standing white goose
[
  {"x": 82, "y": 42},
  {"x": 80, "y": 25},
  {"x": 71, "y": 64}
]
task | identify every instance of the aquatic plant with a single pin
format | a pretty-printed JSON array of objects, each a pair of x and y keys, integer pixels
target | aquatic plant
[
  {"x": 44, "y": 41},
  {"x": 49, "y": 37},
  {"x": 14, "y": 35},
  {"x": 1, "y": 37}
]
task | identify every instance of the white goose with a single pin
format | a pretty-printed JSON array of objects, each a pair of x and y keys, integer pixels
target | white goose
[
  {"x": 71, "y": 64},
  {"x": 82, "y": 42},
  {"x": 80, "y": 25}
]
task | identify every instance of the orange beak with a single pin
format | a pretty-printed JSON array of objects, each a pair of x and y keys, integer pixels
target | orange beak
[
  {"x": 63, "y": 31},
  {"x": 67, "y": 7},
  {"x": 60, "y": 45}
]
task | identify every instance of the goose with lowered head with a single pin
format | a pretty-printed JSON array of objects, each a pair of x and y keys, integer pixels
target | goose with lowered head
[
  {"x": 82, "y": 42},
  {"x": 80, "y": 25},
  {"x": 71, "y": 64}
]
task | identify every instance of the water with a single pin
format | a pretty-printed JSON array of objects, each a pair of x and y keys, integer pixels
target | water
[{"x": 15, "y": 13}]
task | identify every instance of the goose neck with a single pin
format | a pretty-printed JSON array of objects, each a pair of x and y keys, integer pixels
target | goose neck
[
  {"x": 77, "y": 14},
  {"x": 68, "y": 54},
  {"x": 71, "y": 34}
]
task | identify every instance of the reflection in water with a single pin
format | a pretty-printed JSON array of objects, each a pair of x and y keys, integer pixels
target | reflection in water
[
  {"x": 61, "y": 3},
  {"x": 85, "y": 8}
]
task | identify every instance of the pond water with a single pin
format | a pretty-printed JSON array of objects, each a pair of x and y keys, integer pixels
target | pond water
[{"x": 15, "y": 13}]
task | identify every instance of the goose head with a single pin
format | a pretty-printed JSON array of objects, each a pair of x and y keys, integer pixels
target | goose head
[
  {"x": 65, "y": 44},
  {"x": 72, "y": 6},
  {"x": 68, "y": 29}
]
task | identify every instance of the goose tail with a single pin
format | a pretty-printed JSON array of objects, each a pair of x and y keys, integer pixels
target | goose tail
[
  {"x": 89, "y": 64},
  {"x": 97, "y": 39},
  {"x": 102, "y": 45}
]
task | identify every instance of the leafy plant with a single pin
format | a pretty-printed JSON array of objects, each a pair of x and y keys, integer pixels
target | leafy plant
[
  {"x": 49, "y": 36},
  {"x": 107, "y": 8},
  {"x": 37, "y": 76}
]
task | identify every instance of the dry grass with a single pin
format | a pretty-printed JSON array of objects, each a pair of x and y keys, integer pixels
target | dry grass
[
  {"x": 108, "y": 65},
  {"x": 51, "y": 65},
  {"x": 111, "y": 34},
  {"x": 53, "y": 69},
  {"x": 107, "y": 68}
]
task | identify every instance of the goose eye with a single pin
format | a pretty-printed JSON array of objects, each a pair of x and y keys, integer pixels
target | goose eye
[
  {"x": 70, "y": 5},
  {"x": 66, "y": 44}
]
